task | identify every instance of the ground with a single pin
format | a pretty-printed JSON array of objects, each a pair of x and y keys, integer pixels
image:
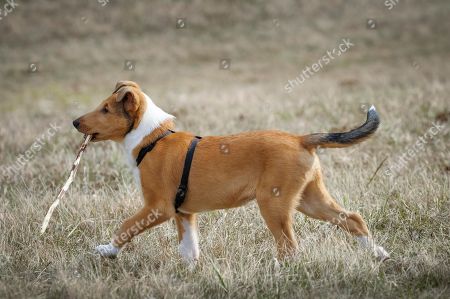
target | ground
[{"x": 225, "y": 70}]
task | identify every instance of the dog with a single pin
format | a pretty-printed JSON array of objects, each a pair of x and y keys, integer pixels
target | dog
[{"x": 281, "y": 171}]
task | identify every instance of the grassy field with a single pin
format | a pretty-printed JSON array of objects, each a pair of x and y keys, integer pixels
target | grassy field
[{"x": 61, "y": 58}]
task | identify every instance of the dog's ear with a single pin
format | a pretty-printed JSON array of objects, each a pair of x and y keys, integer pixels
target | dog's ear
[
  {"x": 125, "y": 83},
  {"x": 128, "y": 95}
]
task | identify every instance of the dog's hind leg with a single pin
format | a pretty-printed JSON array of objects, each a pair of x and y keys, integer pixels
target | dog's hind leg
[
  {"x": 276, "y": 207},
  {"x": 317, "y": 203},
  {"x": 188, "y": 237},
  {"x": 146, "y": 218}
]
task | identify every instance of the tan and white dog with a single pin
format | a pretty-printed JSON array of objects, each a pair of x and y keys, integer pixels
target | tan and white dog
[{"x": 281, "y": 171}]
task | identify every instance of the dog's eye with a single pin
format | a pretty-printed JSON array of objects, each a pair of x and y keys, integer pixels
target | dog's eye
[{"x": 105, "y": 110}]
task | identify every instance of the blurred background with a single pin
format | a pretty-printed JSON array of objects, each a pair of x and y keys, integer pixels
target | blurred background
[
  {"x": 223, "y": 67},
  {"x": 66, "y": 52}
]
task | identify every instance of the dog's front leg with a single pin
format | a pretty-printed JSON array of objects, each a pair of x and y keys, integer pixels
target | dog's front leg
[
  {"x": 188, "y": 237},
  {"x": 147, "y": 217}
]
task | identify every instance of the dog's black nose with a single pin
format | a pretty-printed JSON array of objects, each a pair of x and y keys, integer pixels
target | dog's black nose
[{"x": 76, "y": 123}]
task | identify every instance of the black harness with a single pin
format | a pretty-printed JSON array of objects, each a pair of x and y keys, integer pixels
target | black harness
[
  {"x": 183, "y": 187},
  {"x": 149, "y": 147}
]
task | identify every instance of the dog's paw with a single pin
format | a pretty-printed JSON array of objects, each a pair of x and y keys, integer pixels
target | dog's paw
[
  {"x": 368, "y": 243},
  {"x": 381, "y": 253},
  {"x": 108, "y": 250}
]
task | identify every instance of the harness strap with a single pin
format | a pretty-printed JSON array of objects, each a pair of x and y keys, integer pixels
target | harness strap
[
  {"x": 149, "y": 147},
  {"x": 183, "y": 187}
]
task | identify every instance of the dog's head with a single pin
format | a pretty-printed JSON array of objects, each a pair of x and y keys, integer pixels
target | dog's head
[{"x": 116, "y": 116}]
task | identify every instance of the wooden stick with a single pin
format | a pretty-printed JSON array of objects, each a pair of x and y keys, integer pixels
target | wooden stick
[{"x": 66, "y": 186}]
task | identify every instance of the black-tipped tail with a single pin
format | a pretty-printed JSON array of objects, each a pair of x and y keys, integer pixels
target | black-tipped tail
[{"x": 346, "y": 138}]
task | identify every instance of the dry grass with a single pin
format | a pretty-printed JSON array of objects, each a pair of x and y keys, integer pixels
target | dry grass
[{"x": 402, "y": 67}]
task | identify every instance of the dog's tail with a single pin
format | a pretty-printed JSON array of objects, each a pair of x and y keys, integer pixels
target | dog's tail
[{"x": 346, "y": 138}]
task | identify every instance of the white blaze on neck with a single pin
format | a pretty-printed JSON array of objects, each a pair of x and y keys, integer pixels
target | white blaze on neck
[{"x": 152, "y": 118}]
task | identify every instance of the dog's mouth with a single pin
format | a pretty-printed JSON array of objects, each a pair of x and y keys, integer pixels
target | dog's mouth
[{"x": 94, "y": 137}]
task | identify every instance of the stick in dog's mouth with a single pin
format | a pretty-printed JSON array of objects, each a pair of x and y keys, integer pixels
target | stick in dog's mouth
[{"x": 73, "y": 172}]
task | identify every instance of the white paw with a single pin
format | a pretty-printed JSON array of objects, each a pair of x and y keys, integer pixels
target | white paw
[
  {"x": 367, "y": 243},
  {"x": 108, "y": 250},
  {"x": 276, "y": 266},
  {"x": 381, "y": 253}
]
